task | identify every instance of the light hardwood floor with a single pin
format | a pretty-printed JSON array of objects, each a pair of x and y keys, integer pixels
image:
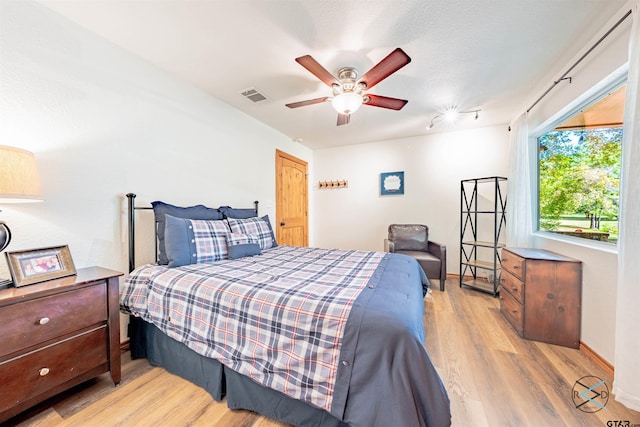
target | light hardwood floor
[{"x": 494, "y": 378}]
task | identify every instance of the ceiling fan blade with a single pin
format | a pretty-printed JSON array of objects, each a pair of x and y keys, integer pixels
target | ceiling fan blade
[
  {"x": 307, "y": 102},
  {"x": 385, "y": 102},
  {"x": 343, "y": 119},
  {"x": 389, "y": 65},
  {"x": 317, "y": 70}
]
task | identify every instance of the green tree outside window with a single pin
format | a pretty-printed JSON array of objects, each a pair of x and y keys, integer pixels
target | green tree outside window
[{"x": 579, "y": 181}]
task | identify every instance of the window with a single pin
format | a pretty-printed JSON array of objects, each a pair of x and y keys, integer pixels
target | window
[{"x": 579, "y": 171}]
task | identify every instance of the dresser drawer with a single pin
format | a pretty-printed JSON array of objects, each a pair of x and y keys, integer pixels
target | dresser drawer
[
  {"x": 513, "y": 263},
  {"x": 29, "y": 323},
  {"x": 34, "y": 373},
  {"x": 512, "y": 310},
  {"x": 513, "y": 285}
]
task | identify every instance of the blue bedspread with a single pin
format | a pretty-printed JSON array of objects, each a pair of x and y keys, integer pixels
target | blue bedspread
[{"x": 340, "y": 330}]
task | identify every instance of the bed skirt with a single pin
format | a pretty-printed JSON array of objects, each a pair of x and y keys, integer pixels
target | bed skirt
[{"x": 220, "y": 381}]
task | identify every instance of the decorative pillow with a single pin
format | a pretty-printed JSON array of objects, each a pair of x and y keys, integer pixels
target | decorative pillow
[
  {"x": 259, "y": 227},
  {"x": 230, "y": 212},
  {"x": 160, "y": 209},
  {"x": 242, "y": 245},
  {"x": 195, "y": 241}
]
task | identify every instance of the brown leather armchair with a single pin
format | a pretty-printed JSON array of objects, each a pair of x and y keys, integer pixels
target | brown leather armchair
[{"x": 413, "y": 240}]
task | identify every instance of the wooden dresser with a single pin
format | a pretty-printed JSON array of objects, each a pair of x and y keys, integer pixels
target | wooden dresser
[
  {"x": 541, "y": 295},
  {"x": 57, "y": 334}
]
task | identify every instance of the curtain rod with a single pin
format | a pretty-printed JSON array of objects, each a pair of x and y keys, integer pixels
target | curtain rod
[{"x": 564, "y": 76}]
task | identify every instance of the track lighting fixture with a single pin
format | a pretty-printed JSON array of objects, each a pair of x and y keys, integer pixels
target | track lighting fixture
[{"x": 451, "y": 114}]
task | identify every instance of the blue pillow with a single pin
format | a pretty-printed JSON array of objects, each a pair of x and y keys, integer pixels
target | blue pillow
[
  {"x": 242, "y": 245},
  {"x": 259, "y": 227},
  {"x": 193, "y": 241},
  {"x": 230, "y": 212},
  {"x": 160, "y": 209}
]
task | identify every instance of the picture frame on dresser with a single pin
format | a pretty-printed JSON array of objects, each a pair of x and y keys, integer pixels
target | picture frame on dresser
[{"x": 32, "y": 266}]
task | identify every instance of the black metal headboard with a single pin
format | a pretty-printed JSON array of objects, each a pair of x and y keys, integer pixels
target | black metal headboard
[
  {"x": 131, "y": 208},
  {"x": 131, "y": 226}
]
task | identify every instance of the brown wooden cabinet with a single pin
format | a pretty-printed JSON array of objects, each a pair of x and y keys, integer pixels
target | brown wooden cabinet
[
  {"x": 57, "y": 334},
  {"x": 541, "y": 295}
]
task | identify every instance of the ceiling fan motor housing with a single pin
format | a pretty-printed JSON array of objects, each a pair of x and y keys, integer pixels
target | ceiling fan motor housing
[{"x": 348, "y": 77}]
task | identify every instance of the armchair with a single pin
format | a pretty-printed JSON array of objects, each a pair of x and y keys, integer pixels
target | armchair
[{"x": 413, "y": 240}]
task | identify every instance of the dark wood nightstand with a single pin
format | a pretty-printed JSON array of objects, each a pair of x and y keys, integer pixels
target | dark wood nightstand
[{"x": 57, "y": 334}]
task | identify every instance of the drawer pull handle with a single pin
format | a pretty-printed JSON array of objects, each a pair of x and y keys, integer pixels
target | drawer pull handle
[
  {"x": 516, "y": 266},
  {"x": 514, "y": 311},
  {"x": 43, "y": 371},
  {"x": 43, "y": 321},
  {"x": 513, "y": 288}
]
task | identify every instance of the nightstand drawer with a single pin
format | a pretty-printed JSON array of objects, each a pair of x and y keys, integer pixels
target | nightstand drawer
[
  {"x": 512, "y": 311},
  {"x": 33, "y": 322},
  {"x": 513, "y": 285},
  {"x": 36, "y": 372},
  {"x": 512, "y": 263}
]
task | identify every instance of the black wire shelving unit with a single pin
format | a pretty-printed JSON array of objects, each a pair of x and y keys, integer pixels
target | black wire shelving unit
[{"x": 483, "y": 203}]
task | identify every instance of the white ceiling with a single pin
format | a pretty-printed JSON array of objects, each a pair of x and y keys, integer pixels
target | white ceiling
[{"x": 488, "y": 54}]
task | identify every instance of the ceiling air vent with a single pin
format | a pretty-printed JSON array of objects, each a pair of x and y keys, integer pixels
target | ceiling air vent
[{"x": 253, "y": 95}]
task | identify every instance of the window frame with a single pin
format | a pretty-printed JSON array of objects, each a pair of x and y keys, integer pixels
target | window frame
[{"x": 612, "y": 82}]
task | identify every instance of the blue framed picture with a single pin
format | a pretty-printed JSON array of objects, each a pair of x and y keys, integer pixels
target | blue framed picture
[{"x": 391, "y": 183}]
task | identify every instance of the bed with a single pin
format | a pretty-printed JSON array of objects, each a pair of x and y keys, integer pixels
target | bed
[{"x": 306, "y": 336}]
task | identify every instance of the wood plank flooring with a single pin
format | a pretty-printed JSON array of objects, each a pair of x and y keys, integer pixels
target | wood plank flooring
[{"x": 494, "y": 378}]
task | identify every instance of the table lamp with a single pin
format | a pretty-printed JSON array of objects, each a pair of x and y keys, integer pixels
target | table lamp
[{"x": 19, "y": 183}]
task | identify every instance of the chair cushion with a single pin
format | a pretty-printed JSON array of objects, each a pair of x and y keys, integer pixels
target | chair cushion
[
  {"x": 429, "y": 263},
  {"x": 409, "y": 237}
]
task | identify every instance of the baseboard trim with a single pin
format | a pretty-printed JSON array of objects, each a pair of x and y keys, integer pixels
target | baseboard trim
[{"x": 597, "y": 359}]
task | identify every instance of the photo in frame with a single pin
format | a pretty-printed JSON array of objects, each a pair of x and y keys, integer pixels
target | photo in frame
[
  {"x": 32, "y": 266},
  {"x": 391, "y": 183}
]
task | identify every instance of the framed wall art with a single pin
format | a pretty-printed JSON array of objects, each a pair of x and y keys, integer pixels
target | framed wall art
[
  {"x": 38, "y": 265},
  {"x": 391, "y": 183}
]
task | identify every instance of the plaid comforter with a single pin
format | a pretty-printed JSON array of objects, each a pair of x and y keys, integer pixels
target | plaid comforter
[{"x": 277, "y": 318}]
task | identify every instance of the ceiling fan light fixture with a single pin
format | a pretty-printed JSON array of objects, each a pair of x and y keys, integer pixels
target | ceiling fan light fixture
[{"x": 347, "y": 103}]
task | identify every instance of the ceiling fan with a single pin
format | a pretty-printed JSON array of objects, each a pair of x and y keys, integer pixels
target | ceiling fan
[{"x": 348, "y": 89}]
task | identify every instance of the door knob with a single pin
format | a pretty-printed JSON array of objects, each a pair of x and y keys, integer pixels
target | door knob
[{"x": 282, "y": 224}]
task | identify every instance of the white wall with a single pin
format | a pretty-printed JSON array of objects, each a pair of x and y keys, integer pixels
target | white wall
[
  {"x": 599, "y": 261},
  {"x": 358, "y": 216},
  {"x": 103, "y": 123}
]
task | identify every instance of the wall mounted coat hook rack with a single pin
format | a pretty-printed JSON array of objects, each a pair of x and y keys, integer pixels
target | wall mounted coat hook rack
[{"x": 324, "y": 185}]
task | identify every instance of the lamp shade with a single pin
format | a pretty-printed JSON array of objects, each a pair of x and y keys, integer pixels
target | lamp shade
[{"x": 19, "y": 178}]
